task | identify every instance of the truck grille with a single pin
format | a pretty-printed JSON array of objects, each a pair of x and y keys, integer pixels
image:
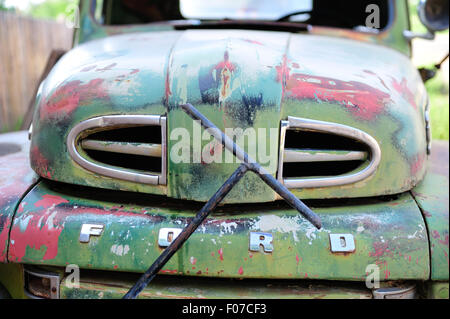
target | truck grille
[
  {"x": 126, "y": 147},
  {"x": 322, "y": 154}
]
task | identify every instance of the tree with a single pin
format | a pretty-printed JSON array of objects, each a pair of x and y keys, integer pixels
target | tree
[
  {"x": 50, "y": 9},
  {"x": 2, "y": 5}
]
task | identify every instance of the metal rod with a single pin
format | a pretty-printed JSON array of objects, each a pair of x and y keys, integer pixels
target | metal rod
[
  {"x": 212, "y": 203},
  {"x": 292, "y": 200},
  {"x": 229, "y": 144}
]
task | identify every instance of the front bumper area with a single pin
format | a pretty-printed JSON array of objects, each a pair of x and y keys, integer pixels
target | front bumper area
[
  {"x": 389, "y": 234},
  {"x": 97, "y": 286},
  {"x": 113, "y": 285}
]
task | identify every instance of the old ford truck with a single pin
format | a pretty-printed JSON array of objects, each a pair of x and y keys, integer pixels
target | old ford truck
[{"x": 120, "y": 156}]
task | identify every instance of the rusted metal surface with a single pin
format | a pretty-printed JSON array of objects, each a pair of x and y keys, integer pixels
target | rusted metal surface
[
  {"x": 163, "y": 287},
  {"x": 16, "y": 177},
  {"x": 432, "y": 197}
]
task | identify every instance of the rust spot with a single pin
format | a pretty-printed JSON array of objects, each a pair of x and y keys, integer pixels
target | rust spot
[
  {"x": 220, "y": 252},
  {"x": 88, "y": 68}
]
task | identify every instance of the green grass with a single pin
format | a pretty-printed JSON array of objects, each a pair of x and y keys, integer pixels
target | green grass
[{"x": 439, "y": 96}]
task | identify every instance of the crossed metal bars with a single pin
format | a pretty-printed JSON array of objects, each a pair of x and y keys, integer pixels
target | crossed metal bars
[{"x": 247, "y": 164}]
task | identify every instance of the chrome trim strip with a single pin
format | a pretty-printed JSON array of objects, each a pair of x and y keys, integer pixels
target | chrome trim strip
[
  {"x": 427, "y": 118},
  {"x": 405, "y": 292},
  {"x": 163, "y": 176},
  {"x": 151, "y": 150},
  {"x": 304, "y": 155},
  {"x": 337, "y": 129},
  {"x": 118, "y": 121},
  {"x": 283, "y": 127}
]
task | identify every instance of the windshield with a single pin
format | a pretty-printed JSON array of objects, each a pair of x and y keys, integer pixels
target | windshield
[
  {"x": 349, "y": 14},
  {"x": 242, "y": 9}
]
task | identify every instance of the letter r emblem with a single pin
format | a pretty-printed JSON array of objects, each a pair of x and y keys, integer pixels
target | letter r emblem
[{"x": 264, "y": 240}]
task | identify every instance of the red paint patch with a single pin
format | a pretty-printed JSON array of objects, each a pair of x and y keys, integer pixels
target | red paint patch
[
  {"x": 435, "y": 234},
  {"x": 417, "y": 164},
  {"x": 41, "y": 231},
  {"x": 40, "y": 163},
  {"x": 88, "y": 68},
  {"x": 50, "y": 200},
  {"x": 5, "y": 223},
  {"x": 380, "y": 249},
  {"x": 166, "y": 271},
  {"x": 253, "y": 41},
  {"x": 403, "y": 89},
  {"x": 21, "y": 206},
  {"x": 241, "y": 271},
  {"x": 359, "y": 98},
  {"x": 427, "y": 213},
  {"x": 445, "y": 241},
  {"x": 220, "y": 252},
  {"x": 69, "y": 96},
  {"x": 107, "y": 68}
]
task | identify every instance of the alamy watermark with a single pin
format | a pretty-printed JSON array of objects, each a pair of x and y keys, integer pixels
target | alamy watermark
[
  {"x": 73, "y": 278},
  {"x": 260, "y": 144},
  {"x": 373, "y": 19},
  {"x": 372, "y": 276}
]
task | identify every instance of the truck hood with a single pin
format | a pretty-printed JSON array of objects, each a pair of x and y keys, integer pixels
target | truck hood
[{"x": 238, "y": 79}]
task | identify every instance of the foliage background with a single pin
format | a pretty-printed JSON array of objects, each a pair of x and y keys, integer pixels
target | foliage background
[{"x": 425, "y": 53}]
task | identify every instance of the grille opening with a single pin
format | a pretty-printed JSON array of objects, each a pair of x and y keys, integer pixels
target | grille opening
[
  {"x": 319, "y": 169},
  {"x": 314, "y": 154},
  {"x": 128, "y": 161},
  {"x": 136, "y": 134},
  {"x": 298, "y": 139},
  {"x": 125, "y": 147}
]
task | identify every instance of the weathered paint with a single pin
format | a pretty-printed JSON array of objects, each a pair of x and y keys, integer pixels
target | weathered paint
[
  {"x": 173, "y": 288},
  {"x": 16, "y": 176},
  {"x": 390, "y": 234},
  {"x": 238, "y": 79},
  {"x": 236, "y": 83},
  {"x": 432, "y": 197}
]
